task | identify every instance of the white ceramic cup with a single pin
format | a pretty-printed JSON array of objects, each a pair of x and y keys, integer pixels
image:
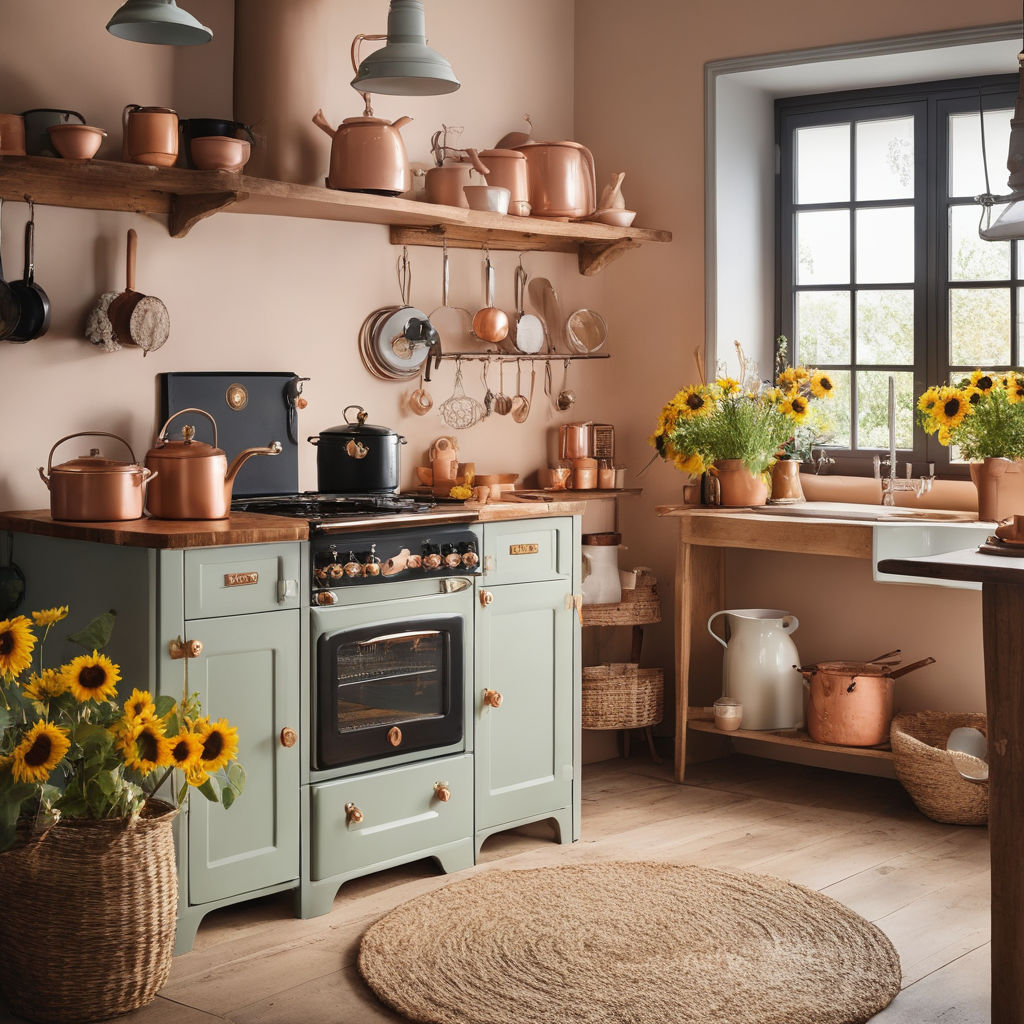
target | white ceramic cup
[{"x": 487, "y": 198}]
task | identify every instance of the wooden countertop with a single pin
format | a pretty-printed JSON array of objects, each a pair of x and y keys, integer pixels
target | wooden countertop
[
  {"x": 247, "y": 527},
  {"x": 968, "y": 565}
]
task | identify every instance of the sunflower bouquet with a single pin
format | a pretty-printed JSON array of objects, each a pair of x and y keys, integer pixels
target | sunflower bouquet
[
  {"x": 982, "y": 415},
  {"x": 69, "y": 748},
  {"x": 749, "y": 419}
]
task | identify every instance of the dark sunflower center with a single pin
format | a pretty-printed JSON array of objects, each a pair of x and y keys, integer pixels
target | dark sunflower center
[
  {"x": 6, "y": 642},
  {"x": 137, "y": 708},
  {"x": 180, "y": 751},
  {"x": 798, "y": 405},
  {"x": 952, "y": 407},
  {"x": 212, "y": 746},
  {"x": 985, "y": 383},
  {"x": 825, "y": 384},
  {"x": 92, "y": 677},
  {"x": 694, "y": 401},
  {"x": 975, "y": 398},
  {"x": 39, "y": 752},
  {"x": 147, "y": 746}
]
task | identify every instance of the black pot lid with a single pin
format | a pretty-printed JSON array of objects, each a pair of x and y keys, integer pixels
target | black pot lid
[{"x": 360, "y": 428}]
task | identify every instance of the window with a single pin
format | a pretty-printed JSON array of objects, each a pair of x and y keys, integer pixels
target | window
[{"x": 881, "y": 272}]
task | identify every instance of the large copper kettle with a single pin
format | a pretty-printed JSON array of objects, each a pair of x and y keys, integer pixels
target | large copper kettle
[
  {"x": 195, "y": 479},
  {"x": 367, "y": 155},
  {"x": 562, "y": 182}
]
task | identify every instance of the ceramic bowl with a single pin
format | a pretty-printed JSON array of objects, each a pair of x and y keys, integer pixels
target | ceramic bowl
[
  {"x": 219, "y": 153},
  {"x": 76, "y": 141},
  {"x": 617, "y": 218},
  {"x": 487, "y": 198}
]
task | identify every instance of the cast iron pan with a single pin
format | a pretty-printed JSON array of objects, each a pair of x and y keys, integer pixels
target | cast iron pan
[
  {"x": 33, "y": 303},
  {"x": 8, "y": 301}
]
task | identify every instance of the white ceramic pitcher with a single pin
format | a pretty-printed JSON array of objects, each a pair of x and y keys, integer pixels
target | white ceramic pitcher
[{"x": 759, "y": 667}]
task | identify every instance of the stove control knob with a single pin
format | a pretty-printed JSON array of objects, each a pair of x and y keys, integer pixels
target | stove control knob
[
  {"x": 415, "y": 562},
  {"x": 352, "y": 567},
  {"x": 371, "y": 567},
  {"x": 394, "y": 736},
  {"x": 352, "y": 814},
  {"x": 470, "y": 559},
  {"x": 432, "y": 561},
  {"x": 442, "y": 792},
  {"x": 326, "y": 597}
]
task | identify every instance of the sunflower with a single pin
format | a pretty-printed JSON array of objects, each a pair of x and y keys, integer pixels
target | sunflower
[
  {"x": 220, "y": 743},
  {"x": 791, "y": 378},
  {"x": 148, "y": 747},
  {"x": 16, "y": 643},
  {"x": 694, "y": 402},
  {"x": 50, "y": 683},
  {"x": 1014, "y": 389},
  {"x": 92, "y": 677},
  {"x": 926, "y": 403},
  {"x": 945, "y": 437},
  {"x": 822, "y": 385},
  {"x": 951, "y": 408},
  {"x": 48, "y": 616},
  {"x": 38, "y": 753},
  {"x": 796, "y": 407},
  {"x": 184, "y": 751},
  {"x": 728, "y": 385},
  {"x": 984, "y": 381},
  {"x": 974, "y": 395},
  {"x": 139, "y": 707}
]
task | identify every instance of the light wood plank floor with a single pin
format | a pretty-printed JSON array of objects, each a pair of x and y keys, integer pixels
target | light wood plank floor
[{"x": 858, "y": 839}]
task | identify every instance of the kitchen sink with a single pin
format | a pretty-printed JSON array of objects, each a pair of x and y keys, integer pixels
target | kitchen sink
[{"x": 868, "y": 513}]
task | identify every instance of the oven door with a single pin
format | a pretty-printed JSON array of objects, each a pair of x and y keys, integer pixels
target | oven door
[{"x": 391, "y": 687}]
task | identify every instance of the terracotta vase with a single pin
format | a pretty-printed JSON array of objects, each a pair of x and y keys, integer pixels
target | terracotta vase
[
  {"x": 996, "y": 500},
  {"x": 786, "y": 486},
  {"x": 737, "y": 486}
]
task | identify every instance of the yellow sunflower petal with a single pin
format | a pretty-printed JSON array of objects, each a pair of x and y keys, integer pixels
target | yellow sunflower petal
[
  {"x": 16, "y": 644},
  {"x": 952, "y": 407},
  {"x": 149, "y": 747},
  {"x": 39, "y": 752},
  {"x": 42, "y": 687},
  {"x": 220, "y": 745},
  {"x": 140, "y": 706},
  {"x": 184, "y": 751},
  {"x": 92, "y": 677},
  {"x": 48, "y": 616},
  {"x": 822, "y": 385}
]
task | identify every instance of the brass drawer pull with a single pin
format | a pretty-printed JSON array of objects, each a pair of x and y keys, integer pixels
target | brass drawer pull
[
  {"x": 492, "y": 698},
  {"x": 179, "y": 648},
  {"x": 486, "y": 598},
  {"x": 442, "y": 792},
  {"x": 289, "y": 737},
  {"x": 352, "y": 814}
]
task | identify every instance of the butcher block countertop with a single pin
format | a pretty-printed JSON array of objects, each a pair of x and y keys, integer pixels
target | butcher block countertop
[{"x": 253, "y": 528}]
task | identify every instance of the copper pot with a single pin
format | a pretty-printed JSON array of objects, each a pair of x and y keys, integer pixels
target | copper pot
[
  {"x": 92, "y": 489},
  {"x": 195, "y": 479},
  {"x": 851, "y": 703}
]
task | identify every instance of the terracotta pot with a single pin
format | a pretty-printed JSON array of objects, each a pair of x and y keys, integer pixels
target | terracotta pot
[
  {"x": 150, "y": 135},
  {"x": 998, "y": 497},
  {"x": 738, "y": 487},
  {"x": 786, "y": 487}
]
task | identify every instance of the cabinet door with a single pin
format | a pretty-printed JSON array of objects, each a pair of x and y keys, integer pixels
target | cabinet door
[
  {"x": 248, "y": 672},
  {"x": 524, "y": 750}
]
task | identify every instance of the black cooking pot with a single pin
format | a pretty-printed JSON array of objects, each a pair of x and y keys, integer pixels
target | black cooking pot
[
  {"x": 200, "y": 127},
  {"x": 357, "y": 458},
  {"x": 37, "y": 138}
]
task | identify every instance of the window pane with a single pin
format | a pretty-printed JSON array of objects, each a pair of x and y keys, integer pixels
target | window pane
[
  {"x": 838, "y": 410},
  {"x": 823, "y": 328},
  {"x": 885, "y": 159},
  {"x": 873, "y": 409},
  {"x": 823, "y": 247},
  {"x": 979, "y": 326},
  {"x": 966, "y": 170},
  {"x": 885, "y": 246},
  {"x": 971, "y": 258},
  {"x": 823, "y": 164},
  {"x": 885, "y": 326}
]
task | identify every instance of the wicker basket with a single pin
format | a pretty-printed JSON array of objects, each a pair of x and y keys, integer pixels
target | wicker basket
[
  {"x": 928, "y": 771},
  {"x": 622, "y": 696},
  {"x": 87, "y": 927}
]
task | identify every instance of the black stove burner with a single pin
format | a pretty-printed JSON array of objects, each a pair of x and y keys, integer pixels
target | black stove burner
[{"x": 326, "y": 507}]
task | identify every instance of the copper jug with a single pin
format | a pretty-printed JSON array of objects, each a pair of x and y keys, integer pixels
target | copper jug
[
  {"x": 561, "y": 179},
  {"x": 367, "y": 155},
  {"x": 150, "y": 135},
  {"x": 507, "y": 168}
]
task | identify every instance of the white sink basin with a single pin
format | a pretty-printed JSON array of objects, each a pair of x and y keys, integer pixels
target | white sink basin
[{"x": 869, "y": 513}]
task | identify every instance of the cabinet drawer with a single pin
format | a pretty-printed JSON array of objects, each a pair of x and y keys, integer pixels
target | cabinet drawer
[
  {"x": 527, "y": 550},
  {"x": 402, "y": 815},
  {"x": 242, "y": 579}
]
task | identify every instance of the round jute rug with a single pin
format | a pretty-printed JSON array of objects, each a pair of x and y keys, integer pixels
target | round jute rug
[{"x": 628, "y": 943}]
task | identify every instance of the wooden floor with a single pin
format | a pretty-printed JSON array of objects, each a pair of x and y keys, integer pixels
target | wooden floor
[{"x": 858, "y": 839}]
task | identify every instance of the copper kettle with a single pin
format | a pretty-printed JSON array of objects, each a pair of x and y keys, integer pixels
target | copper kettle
[
  {"x": 195, "y": 479},
  {"x": 367, "y": 155},
  {"x": 561, "y": 179}
]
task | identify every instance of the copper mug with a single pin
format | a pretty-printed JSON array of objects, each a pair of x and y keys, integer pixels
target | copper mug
[
  {"x": 12, "y": 135},
  {"x": 150, "y": 135}
]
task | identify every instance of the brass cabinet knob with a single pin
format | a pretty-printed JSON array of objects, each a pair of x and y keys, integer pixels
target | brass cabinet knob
[
  {"x": 486, "y": 598},
  {"x": 179, "y": 648},
  {"x": 289, "y": 737},
  {"x": 394, "y": 736},
  {"x": 352, "y": 814},
  {"x": 492, "y": 698},
  {"x": 442, "y": 792}
]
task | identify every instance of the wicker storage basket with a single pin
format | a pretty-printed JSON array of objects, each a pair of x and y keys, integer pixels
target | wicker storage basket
[
  {"x": 88, "y": 918},
  {"x": 928, "y": 771},
  {"x": 622, "y": 696}
]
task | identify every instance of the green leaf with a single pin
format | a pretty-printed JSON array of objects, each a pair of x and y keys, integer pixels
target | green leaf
[
  {"x": 164, "y": 704},
  {"x": 106, "y": 783},
  {"x": 209, "y": 789},
  {"x": 227, "y": 797},
  {"x": 182, "y": 793},
  {"x": 236, "y": 776},
  {"x": 96, "y": 635}
]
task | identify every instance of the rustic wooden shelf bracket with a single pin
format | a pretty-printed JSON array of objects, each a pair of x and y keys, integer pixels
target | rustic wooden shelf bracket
[
  {"x": 595, "y": 256},
  {"x": 186, "y": 211}
]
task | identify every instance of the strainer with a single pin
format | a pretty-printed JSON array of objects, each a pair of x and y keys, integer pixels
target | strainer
[{"x": 460, "y": 411}]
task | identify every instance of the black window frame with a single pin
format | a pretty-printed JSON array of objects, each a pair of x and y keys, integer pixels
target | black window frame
[{"x": 931, "y": 103}]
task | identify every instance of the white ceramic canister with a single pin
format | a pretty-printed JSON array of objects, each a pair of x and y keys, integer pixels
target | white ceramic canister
[
  {"x": 600, "y": 554},
  {"x": 759, "y": 669}
]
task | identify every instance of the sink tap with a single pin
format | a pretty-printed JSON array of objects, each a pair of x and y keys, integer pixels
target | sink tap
[{"x": 890, "y": 483}]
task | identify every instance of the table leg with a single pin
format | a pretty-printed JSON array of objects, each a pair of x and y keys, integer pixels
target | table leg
[{"x": 1003, "y": 621}]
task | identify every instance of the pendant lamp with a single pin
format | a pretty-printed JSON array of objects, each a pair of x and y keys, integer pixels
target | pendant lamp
[
  {"x": 405, "y": 65},
  {"x": 157, "y": 21}
]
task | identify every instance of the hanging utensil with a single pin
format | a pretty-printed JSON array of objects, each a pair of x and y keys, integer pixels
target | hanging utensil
[
  {"x": 405, "y": 339},
  {"x": 586, "y": 331},
  {"x": 138, "y": 319},
  {"x": 8, "y": 301},
  {"x": 502, "y": 402},
  {"x": 420, "y": 401},
  {"x": 33, "y": 302},
  {"x": 453, "y": 323},
  {"x": 460, "y": 411},
  {"x": 490, "y": 324},
  {"x": 566, "y": 398},
  {"x": 521, "y": 404},
  {"x": 488, "y": 393},
  {"x": 527, "y": 330},
  {"x": 12, "y": 580}
]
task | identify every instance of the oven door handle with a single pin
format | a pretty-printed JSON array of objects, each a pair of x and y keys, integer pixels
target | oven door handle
[
  {"x": 412, "y": 634},
  {"x": 455, "y": 584}
]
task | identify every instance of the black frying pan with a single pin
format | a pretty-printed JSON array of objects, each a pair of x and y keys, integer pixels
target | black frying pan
[
  {"x": 33, "y": 303},
  {"x": 9, "y": 309}
]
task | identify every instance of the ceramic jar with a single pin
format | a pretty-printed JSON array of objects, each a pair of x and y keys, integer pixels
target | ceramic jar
[
  {"x": 786, "y": 487},
  {"x": 150, "y": 135},
  {"x": 737, "y": 486},
  {"x": 600, "y": 556},
  {"x": 998, "y": 482}
]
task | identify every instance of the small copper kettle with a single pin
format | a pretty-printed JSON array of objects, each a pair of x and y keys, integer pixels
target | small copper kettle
[
  {"x": 367, "y": 155},
  {"x": 195, "y": 478}
]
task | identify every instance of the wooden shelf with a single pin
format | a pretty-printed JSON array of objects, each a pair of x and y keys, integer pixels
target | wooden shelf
[
  {"x": 186, "y": 197},
  {"x": 700, "y": 720},
  {"x": 594, "y": 492}
]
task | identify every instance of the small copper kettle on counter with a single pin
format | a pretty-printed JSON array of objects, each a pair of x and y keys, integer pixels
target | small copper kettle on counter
[{"x": 195, "y": 480}]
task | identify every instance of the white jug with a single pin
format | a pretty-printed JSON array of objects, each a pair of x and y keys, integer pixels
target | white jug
[
  {"x": 601, "y": 584},
  {"x": 759, "y": 668}
]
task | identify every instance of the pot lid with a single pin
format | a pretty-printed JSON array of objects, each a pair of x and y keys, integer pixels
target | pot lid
[
  {"x": 561, "y": 142},
  {"x": 360, "y": 428},
  {"x": 96, "y": 463},
  {"x": 366, "y": 120},
  {"x": 602, "y": 538},
  {"x": 513, "y": 153},
  {"x": 188, "y": 448}
]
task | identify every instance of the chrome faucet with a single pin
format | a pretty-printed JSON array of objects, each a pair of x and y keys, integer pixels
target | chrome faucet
[{"x": 890, "y": 483}]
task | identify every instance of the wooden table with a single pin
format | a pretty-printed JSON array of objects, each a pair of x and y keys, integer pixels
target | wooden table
[{"x": 1002, "y": 609}]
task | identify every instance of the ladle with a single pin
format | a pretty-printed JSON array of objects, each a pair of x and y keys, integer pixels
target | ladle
[
  {"x": 566, "y": 398},
  {"x": 520, "y": 403},
  {"x": 420, "y": 401}
]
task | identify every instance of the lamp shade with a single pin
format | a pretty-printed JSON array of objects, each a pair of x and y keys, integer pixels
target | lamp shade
[
  {"x": 157, "y": 21},
  {"x": 405, "y": 65}
]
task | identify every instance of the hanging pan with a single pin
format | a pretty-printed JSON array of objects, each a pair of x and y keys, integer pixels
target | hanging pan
[
  {"x": 33, "y": 303},
  {"x": 138, "y": 319}
]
